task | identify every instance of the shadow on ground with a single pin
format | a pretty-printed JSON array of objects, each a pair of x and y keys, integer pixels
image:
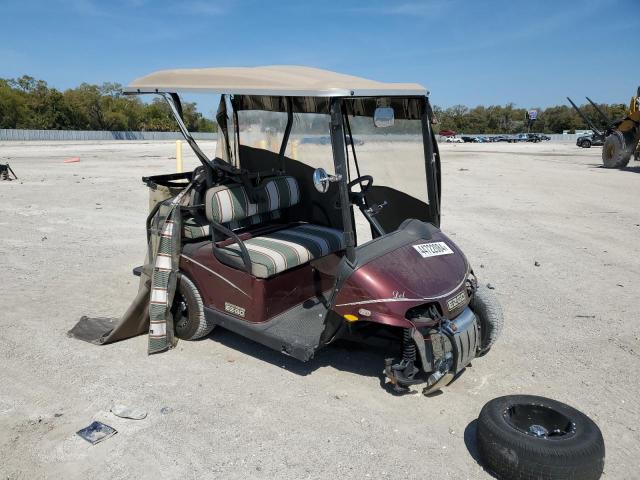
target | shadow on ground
[
  {"x": 633, "y": 169},
  {"x": 472, "y": 446},
  {"x": 357, "y": 358},
  {"x": 360, "y": 358}
]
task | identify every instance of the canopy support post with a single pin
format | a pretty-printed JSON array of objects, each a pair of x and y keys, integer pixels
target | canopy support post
[
  {"x": 338, "y": 146},
  {"x": 287, "y": 132},
  {"x": 431, "y": 164},
  {"x": 176, "y": 109}
]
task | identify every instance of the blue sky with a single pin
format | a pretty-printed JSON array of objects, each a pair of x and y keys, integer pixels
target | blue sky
[{"x": 532, "y": 53}]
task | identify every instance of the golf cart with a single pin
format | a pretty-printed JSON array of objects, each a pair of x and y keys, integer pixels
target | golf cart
[{"x": 296, "y": 244}]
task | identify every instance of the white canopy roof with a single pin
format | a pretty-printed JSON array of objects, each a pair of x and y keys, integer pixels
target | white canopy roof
[{"x": 276, "y": 80}]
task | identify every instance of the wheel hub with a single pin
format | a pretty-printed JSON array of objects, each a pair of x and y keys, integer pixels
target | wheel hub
[
  {"x": 181, "y": 312},
  {"x": 539, "y": 421}
]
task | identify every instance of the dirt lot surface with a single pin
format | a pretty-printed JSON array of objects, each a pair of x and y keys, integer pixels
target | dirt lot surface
[{"x": 225, "y": 407}]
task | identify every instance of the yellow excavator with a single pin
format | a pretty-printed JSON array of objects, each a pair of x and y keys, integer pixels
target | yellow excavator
[{"x": 623, "y": 138}]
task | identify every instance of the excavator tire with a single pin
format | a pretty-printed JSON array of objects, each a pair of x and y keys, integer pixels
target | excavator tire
[{"x": 614, "y": 151}]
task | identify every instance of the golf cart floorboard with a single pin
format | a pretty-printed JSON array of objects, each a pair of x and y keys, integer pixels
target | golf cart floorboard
[{"x": 295, "y": 332}]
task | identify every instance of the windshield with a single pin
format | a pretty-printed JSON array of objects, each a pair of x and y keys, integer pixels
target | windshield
[
  {"x": 394, "y": 157},
  {"x": 309, "y": 140}
]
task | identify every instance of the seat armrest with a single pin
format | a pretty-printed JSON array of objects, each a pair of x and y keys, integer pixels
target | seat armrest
[{"x": 244, "y": 253}]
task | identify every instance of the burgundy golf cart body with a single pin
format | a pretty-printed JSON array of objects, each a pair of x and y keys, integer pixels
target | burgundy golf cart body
[{"x": 278, "y": 257}]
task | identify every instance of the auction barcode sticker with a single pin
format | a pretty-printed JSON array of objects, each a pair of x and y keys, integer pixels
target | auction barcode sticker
[{"x": 433, "y": 249}]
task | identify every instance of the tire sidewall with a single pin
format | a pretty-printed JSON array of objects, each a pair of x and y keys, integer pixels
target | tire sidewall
[
  {"x": 519, "y": 451},
  {"x": 614, "y": 143},
  {"x": 186, "y": 288}
]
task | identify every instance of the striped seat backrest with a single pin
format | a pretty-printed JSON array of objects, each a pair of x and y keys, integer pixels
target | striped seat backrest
[{"x": 230, "y": 204}]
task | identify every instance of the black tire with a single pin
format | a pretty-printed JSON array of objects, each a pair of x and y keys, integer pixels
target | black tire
[
  {"x": 574, "y": 451},
  {"x": 585, "y": 144},
  {"x": 189, "y": 320},
  {"x": 489, "y": 312},
  {"x": 614, "y": 151}
]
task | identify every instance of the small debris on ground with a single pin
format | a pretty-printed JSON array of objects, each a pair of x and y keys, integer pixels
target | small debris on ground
[
  {"x": 585, "y": 316},
  {"x": 6, "y": 173},
  {"x": 490, "y": 287},
  {"x": 127, "y": 412},
  {"x": 96, "y": 432},
  {"x": 72, "y": 160},
  {"x": 536, "y": 263},
  {"x": 166, "y": 410}
]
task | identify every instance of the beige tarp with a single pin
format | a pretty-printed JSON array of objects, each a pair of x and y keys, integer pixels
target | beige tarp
[{"x": 277, "y": 80}]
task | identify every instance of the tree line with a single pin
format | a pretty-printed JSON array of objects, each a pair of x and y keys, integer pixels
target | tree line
[
  {"x": 29, "y": 103},
  {"x": 509, "y": 119}
]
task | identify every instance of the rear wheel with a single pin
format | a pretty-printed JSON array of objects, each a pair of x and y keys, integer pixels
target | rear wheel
[
  {"x": 614, "y": 152},
  {"x": 586, "y": 144},
  {"x": 526, "y": 437},
  {"x": 190, "y": 322}
]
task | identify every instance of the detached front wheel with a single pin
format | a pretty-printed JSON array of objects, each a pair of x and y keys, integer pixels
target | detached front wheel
[{"x": 527, "y": 437}]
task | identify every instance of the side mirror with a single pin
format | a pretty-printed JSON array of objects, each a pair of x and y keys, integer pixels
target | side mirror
[
  {"x": 383, "y": 117},
  {"x": 321, "y": 180}
]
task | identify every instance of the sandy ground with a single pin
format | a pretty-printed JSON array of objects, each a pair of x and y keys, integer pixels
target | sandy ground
[{"x": 225, "y": 407}]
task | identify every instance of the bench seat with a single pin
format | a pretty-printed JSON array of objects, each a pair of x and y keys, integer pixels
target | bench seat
[{"x": 284, "y": 249}]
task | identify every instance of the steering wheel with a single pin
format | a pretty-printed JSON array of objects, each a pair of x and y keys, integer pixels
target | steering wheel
[
  {"x": 357, "y": 198},
  {"x": 365, "y": 182}
]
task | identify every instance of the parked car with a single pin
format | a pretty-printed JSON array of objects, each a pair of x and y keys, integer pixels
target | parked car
[
  {"x": 447, "y": 133},
  {"x": 467, "y": 139},
  {"x": 521, "y": 137},
  {"x": 587, "y": 141},
  {"x": 541, "y": 137},
  {"x": 454, "y": 140}
]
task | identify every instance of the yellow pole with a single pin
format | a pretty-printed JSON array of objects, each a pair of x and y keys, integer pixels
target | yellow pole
[{"x": 179, "y": 165}]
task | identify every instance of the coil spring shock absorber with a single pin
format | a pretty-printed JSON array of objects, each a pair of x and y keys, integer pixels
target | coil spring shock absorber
[
  {"x": 403, "y": 374},
  {"x": 408, "y": 347}
]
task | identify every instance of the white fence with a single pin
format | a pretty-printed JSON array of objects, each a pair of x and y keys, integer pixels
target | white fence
[
  {"x": 85, "y": 135},
  {"x": 70, "y": 135}
]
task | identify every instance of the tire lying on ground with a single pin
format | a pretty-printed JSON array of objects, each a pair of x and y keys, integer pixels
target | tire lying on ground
[
  {"x": 529, "y": 437},
  {"x": 189, "y": 320},
  {"x": 615, "y": 153},
  {"x": 489, "y": 312}
]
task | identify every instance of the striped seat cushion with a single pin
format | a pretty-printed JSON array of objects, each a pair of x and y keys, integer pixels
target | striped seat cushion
[
  {"x": 231, "y": 203},
  {"x": 193, "y": 228},
  {"x": 285, "y": 249}
]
